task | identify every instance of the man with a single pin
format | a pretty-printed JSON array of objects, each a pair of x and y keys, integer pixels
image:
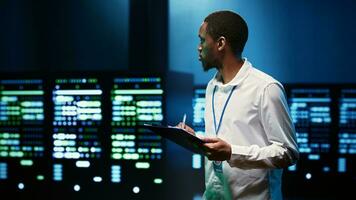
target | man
[{"x": 249, "y": 131}]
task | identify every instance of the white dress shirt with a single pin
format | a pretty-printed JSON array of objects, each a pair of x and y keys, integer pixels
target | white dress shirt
[{"x": 258, "y": 126}]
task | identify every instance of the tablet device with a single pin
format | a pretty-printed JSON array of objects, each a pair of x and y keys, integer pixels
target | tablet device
[{"x": 180, "y": 137}]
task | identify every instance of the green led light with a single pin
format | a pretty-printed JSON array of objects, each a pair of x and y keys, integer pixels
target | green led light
[
  {"x": 92, "y": 80},
  {"x": 131, "y": 156},
  {"x": 32, "y": 110},
  {"x": 4, "y": 148},
  {"x": 142, "y": 165},
  {"x": 117, "y": 150},
  {"x": 9, "y": 99},
  {"x": 143, "y": 91},
  {"x": 117, "y": 156},
  {"x": 13, "y": 108},
  {"x": 89, "y": 103},
  {"x": 4, "y": 154},
  {"x": 158, "y": 180},
  {"x": 22, "y": 92},
  {"x": 59, "y": 81},
  {"x": 40, "y": 177},
  {"x": 31, "y": 104},
  {"x": 26, "y": 162}
]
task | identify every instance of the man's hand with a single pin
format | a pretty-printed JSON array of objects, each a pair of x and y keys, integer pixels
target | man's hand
[
  {"x": 218, "y": 149},
  {"x": 186, "y": 128}
]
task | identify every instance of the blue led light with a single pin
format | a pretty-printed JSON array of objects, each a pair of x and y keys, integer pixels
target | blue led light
[
  {"x": 347, "y": 132},
  {"x": 18, "y": 82},
  {"x": 198, "y": 111},
  {"x": 326, "y": 169},
  {"x": 341, "y": 165},
  {"x": 3, "y": 171},
  {"x": 196, "y": 161},
  {"x": 314, "y": 157},
  {"x": 57, "y": 172},
  {"x": 292, "y": 168},
  {"x": 116, "y": 173}
]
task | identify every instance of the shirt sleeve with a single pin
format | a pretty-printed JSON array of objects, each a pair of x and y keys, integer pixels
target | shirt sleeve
[{"x": 282, "y": 150}]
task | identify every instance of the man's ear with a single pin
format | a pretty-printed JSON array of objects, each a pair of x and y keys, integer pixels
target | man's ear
[{"x": 221, "y": 43}]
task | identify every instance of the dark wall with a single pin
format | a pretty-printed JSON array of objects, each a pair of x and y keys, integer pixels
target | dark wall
[
  {"x": 64, "y": 35},
  {"x": 18, "y": 46}
]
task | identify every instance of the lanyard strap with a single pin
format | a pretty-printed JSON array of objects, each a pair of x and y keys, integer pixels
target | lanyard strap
[{"x": 223, "y": 111}]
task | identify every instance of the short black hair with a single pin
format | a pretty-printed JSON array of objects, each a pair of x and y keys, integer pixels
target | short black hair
[{"x": 230, "y": 25}]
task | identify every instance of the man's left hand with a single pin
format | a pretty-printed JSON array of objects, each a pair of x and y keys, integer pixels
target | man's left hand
[{"x": 218, "y": 149}]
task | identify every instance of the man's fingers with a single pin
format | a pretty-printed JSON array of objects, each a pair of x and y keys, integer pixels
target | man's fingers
[
  {"x": 208, "y": 145},
  {"x": 209, "y": 139},
  {"x": 210, "y": 156},
  {"x": 180, "y": 125}
]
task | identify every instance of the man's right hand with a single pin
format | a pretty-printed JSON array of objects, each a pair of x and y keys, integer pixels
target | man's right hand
[{"x": 186, "y": 128}]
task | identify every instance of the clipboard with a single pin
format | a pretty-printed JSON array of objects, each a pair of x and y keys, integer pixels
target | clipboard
[{"x": 180, "y": 137}]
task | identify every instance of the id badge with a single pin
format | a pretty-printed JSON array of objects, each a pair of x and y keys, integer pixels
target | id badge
[{"x": 218, "y": 166}]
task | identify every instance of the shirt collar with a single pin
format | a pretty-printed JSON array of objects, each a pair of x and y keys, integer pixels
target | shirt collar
[{"x": 239, "y": 77}]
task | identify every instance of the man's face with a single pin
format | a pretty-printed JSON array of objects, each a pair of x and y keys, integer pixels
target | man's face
[{"x": 206, "y": 48}]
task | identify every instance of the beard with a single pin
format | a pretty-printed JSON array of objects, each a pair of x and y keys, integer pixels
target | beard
[{"x": 207, "y": 65}]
